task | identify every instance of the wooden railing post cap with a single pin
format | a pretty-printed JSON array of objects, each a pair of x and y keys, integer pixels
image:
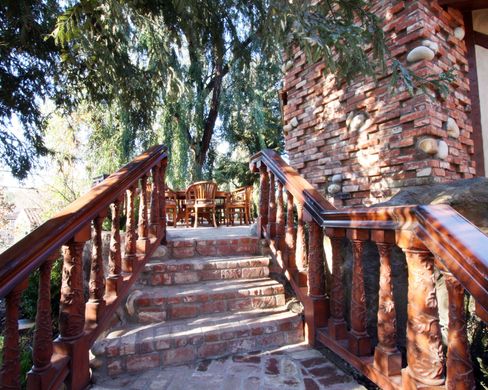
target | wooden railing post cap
[
  {"x": 358, "y": 234},
  {"x": 383, "y": 236},
  {"x": 335, "y": 232},
  {"x": 408, "y": 240}
]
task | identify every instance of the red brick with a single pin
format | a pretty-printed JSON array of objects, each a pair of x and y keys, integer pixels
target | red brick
[
  {"x": 183, "y": 311},
  {"x": 142, "y": 362}
]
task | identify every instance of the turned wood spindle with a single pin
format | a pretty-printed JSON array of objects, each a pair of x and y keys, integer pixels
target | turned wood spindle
[
  {"x": 72, "y": 302},
  {"x": 10, "y": 372},
  {"x": 290, "y": 232},
  {"x": 263, "y": 201},
  {"x": 460, "y": 373},
  {"x": 280, "y": 220},
  {"x": 130, "y": 232},
  {"x": 387, "y": 358},
  {"x": 300, "y": 243},
  {"x": 316, "y": 265},
  {"x": 97, "y": 276},
  {"x": 162, "y": 201},
  {"x": 359, "y": 340},
  {"x": 143, "y": 209},
  {"x": 114, "y": 278},
  {"x": 43, "y": 336},
  {"x": 272, "y": 207},
  {"x": 337, "y": 326},
  {"x": 154, "y": 213},
  {"x": 425, "y": 358}
]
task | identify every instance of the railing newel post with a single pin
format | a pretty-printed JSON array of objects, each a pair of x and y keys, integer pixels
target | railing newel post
[
  {"x": 290, "y": 234},
  {"x": 425, "y": 358},
  {"x": 271, "y": 231},
  {"x": 114, "y": 279}
]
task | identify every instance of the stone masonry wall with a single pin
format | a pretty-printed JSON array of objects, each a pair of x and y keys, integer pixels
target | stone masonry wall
[{"x": 360, "y": 144}]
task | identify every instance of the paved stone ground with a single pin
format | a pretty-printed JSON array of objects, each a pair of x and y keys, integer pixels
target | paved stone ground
[
  {"x": 289, "y": 368},
  {"x": 206, "y": 232}
]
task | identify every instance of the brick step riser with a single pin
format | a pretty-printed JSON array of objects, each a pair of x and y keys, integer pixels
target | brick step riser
[
  {"x": 169, "y": 278},
  {"x": 195, "y": 248},
  {"x": 179, "y": 351},
  {"x": 155, "y": 311}
]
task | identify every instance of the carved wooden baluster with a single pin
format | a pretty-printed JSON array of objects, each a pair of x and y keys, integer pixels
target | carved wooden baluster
[
  {"x": 72, "y": 303},
  {"x": 162, "y": 200},
  {"x": 359, "y": 340},
  {"x": 317, "y": 317},
  {"x": 387, "y": 358},
  {"x": 143, "y": 241},
  {"x": 154, "y": 227},
  {"x": 130, "y": 233},
  {"x": 337, "y": 326},
  {"x": 272, "y": 208},
  {"x": 114, "y": 278},
  {"x": 460, "y": 373},
  {"x": 424, "y": 345},
  {"x": 10, "y": 372},
  {"x": 96, "y": 286},
  {"x": 280, "y": 221},
  {"x": 301, "y": 243},
  {"x": 263, "y": 201},
  {"x": 43, "y": 336},
  {"x": 72, "y": 311},
  {"x": 290, "y": 233}
]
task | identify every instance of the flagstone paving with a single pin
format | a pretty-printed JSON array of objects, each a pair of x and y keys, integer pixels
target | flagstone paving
[{"x": 291, "y": 367}]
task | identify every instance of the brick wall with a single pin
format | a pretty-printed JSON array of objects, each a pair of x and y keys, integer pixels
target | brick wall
[{"x": 360, "y": 144}]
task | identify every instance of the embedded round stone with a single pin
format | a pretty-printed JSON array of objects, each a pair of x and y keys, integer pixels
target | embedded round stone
[
  {"x": 459, "y": 32},
  {"x": 429, "y": 146},
  {"x": 431, "y": 45},
  {"x": 443, "y": 150},
  {"x": 452, "y": 128},
  {"x": 294, "y": 122},
  {"x": 333, "y": 189},
  {"x": 336, "y": 178},
  {"x": 420, "y": 53}
]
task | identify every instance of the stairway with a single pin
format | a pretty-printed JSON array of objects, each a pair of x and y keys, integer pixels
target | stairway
[{"x": 187, "y": 307}]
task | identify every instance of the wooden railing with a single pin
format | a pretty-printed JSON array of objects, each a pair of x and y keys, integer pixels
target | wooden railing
[
  {"x": 430, "y": 237},
  {"x": 66, "y": 359}
]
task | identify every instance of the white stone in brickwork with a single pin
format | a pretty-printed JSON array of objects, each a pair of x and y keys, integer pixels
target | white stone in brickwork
[
  {"x": 288, "y": 65},
  {"x": 431, "y": 45},
  {"x": 333, "y": 189},
  {"x": 420, "y": 53},
  {"x": 452, "y": 128},
  {"x": 336, "y": 178},
  {"x": 397, "y": 129},
  {"x": 357, "y": 122},
  {"x": 351, "y": 188},
  {"x": 443, "y": 151},
  {"x": 424, "y": 172},
  {"x": 287, "y": 128},
  {"x": 294, "y": 122},
  {"x": 459, "y": 32},
  {"x": 130, "y": 301},
  {"x": 428, "y": 145}
]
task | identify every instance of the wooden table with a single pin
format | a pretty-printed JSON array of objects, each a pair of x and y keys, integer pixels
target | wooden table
[{"x": 220, "y": 197}]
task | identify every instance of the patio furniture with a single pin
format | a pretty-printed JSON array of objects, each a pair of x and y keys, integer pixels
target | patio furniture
[
  {"x": 200, "y": 197},
  {"x": 171, "y": 205},
  {"x": 239, "y": 202}
]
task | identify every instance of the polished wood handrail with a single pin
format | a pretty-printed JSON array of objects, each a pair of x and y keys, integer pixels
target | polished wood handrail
[
  {"x": 429, "y": 236},
  {"x": 21, "y": 259},
  {"x": 66, "y": 359},
  {"x": 446, "y": 233}
]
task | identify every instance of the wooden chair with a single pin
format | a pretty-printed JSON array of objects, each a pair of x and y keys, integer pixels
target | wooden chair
[
  {"x": 200, "y": 196},
  {"x": 171, "y": 205},
  {"x": 239, "y": 201}
]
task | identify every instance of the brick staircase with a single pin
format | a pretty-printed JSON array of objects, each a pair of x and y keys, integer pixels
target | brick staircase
[{"x": 197, "y": 300}]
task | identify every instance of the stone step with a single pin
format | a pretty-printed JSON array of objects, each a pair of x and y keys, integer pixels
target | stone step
[
  {"x": 163, "y": 303},
  {"x": 235, "y": 246},
  {"x": 139, "y": 348},
  {"x": 169, "y": 272}
]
